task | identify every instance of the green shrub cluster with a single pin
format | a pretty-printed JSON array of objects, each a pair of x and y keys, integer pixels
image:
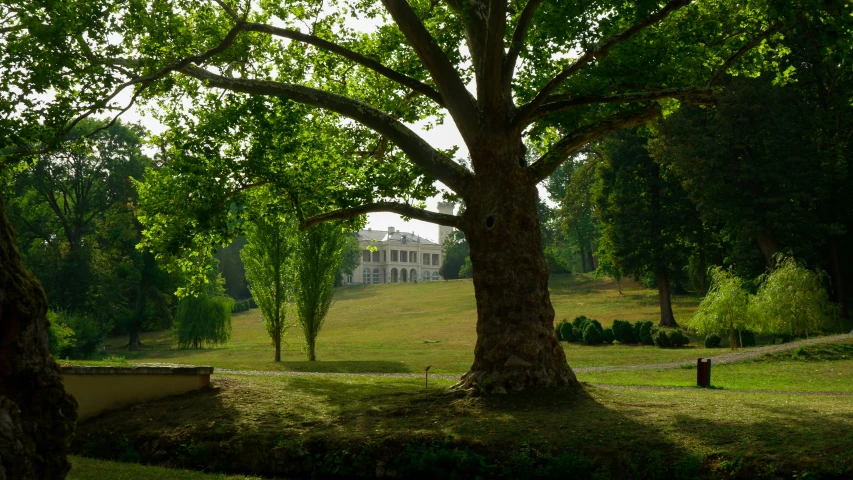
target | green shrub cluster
[
  {"x": 74, "y": 336},
  {"x": 712, "y": 341},
  {"x": 669, "y": 337},
  {"x": 242, "y": 305},
  {"x": 590, "y": 332}
]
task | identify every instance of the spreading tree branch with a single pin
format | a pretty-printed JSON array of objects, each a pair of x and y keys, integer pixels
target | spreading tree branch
[
  {"x": 393, "y": 207},
  {"x": 331, "y": 47},
  {"x": 457, "y": 98},
  {"x": 556, "y": 103},
  {"x": 727, "y": 64},
  {"x": 420, "y": 152},
  {"x": 489, "y": 85},
  {"x": 547, "y": 163},
  {"x": 600, "y": 50},
  {"x": 519, "y": 36}
]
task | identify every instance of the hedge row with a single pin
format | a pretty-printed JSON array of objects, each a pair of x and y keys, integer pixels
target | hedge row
[
  {"x": 243, "y": 305},
  {"x": 590, "y": 332}
]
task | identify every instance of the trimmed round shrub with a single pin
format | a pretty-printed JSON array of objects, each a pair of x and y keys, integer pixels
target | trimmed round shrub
[
  {"x": 579, "y": 323},
  {"x": 678, "y": 338},
  {"x": 669, "y": 337},
  {"x": 661, "y": 337},
  {"x": 566, "y": 332},
  {"x": 623, "y": 332},
  {"x": 712, "y": 341},
  {"x": 557, "y": 330},
  {"x": 591, "y": 335},
  {"x": 597, "y": 325},
  {"x": 607, "y": 335},
  {"x": 644, "y": 332}
]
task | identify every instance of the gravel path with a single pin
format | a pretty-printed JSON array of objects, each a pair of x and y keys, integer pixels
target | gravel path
[
  {"x": 721, "y": 359},
  {"x": 721, "y": 390}
]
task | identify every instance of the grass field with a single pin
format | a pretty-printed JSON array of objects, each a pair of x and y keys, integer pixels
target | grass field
[
  {"x": 786, "y": 414},
  {"x": 404, "y": 327},
  {"x": 243, "y": 421},
  {"x": 83, "y": 468}
]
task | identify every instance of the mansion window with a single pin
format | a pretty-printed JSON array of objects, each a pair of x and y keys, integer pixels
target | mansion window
[
  {"x": 365, "y": 255},
  {"x": 394, "y": 254},
  {"x": 435, "y": 276},
  {"x": 426, "y": 276},
  {"x": 375, "y": 275},
  {"x": 413, "y": 257},
  {"x": 366, "y": 278},
  {"x": 404, "y": 256},
  {"x": 376, "y": 256},
  {"x": 435, "y": 260},
  {"x": 426, "y": 259}
]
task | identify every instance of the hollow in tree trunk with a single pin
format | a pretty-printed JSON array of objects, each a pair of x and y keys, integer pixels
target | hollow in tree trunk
[
  {"x": 516, "y": 344},
  {"x": 37, "y": 416},
  {"x": 667, "y": 319}
]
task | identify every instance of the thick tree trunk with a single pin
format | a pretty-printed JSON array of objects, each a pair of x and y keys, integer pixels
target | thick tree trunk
[
  {"x": 767, "y": 243},
  {"x": 582, "y": 252},
  {"x": 516, "y": 344},
  {"x": 703, "y": 268},
  {"x": 667, "y": 319},
  {"x": 837, "y": 278},
  {"x": 37, "y": 416}
]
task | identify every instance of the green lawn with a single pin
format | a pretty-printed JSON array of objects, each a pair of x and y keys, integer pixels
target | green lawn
[
  {"x": 83, "y": 468},
  {"x": 244, "y": 421},
  {"x": 813, "y": 368},
  {"x": 788, "y": 375},
  {"x": 404, "y": 327}
]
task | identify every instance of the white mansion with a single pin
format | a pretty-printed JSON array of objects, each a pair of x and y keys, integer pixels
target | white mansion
[{"x": 391, "y": 256}]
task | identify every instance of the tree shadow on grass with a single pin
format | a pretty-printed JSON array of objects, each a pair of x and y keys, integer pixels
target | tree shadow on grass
[
  {"x": 267, "y": 425},
  {"x": 787, "y": 439},
  {"x": 342, "y": 366}
]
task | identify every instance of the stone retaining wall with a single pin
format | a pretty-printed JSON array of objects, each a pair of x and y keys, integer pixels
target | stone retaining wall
[{"x": 98, "y": 389}]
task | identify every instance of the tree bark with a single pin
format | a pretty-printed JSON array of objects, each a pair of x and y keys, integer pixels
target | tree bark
[
  {"x": 516, "y": 344},
  {"x": 838, "y": 279},
  {"x": 667, "y": 319},
  {"x": 37, "y": 416},
  {"x": 767, "y": 243}
]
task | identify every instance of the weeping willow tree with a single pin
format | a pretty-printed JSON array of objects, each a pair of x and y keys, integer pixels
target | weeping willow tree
[
  {"x": 267, "y": 257},
  {"x": 792, "y": 299},
  {"x": 319, "y": 253},
  {"x": 724, "y": 308},
  {"x": 204, "y": 318}
]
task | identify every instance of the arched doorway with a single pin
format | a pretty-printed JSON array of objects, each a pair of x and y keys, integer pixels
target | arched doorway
[
  {"x": 393, "y": 275},
  {"x": 404, "y": 275},
  {"x": 413, "y": 274}
]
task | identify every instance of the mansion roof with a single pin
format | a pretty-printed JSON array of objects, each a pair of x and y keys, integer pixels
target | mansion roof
[{"x": 390, "y": 236}]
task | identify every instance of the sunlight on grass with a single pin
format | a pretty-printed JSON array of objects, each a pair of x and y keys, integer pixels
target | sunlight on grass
[
  {"x": 83, "y": 468},
  {"x": 403, "y": 327}
]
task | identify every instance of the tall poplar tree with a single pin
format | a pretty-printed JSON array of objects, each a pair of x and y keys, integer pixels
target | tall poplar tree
[{"x": 268, "y": 257}]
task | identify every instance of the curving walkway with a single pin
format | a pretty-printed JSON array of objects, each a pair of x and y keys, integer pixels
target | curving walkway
[{"x": 721, "y": 359}]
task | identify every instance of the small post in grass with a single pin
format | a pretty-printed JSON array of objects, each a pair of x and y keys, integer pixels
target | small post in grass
[
  {"x": 703, "y": 372},
  {"x": 426, "y": 376}
]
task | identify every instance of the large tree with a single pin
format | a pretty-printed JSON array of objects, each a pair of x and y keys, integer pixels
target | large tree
[{"x": 564, "y": 73}]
